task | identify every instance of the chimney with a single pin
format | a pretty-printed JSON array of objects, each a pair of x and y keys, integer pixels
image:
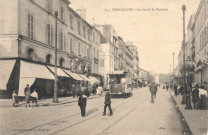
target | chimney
[{"x": 82, "y": 12}]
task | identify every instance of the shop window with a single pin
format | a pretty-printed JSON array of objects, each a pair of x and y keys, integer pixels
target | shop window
[
  {"x": 61, "y": 62},
  {"x": 48, "y": 59},
  {"x": 30, "y": 54}
]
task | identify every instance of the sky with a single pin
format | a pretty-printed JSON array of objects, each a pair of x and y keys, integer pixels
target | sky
[{"x": 156, "y": 33}]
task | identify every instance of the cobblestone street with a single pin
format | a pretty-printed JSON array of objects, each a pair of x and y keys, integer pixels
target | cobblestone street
[{"x": 132, "y": 116}]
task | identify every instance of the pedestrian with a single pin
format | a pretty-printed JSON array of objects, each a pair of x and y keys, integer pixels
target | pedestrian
[
  {"x": 34, "y": 96},
  {"x": 99, "y": 90},
  {"x": 82, "y": 95},
  {"x": 27, "y": 95},
  {"x": 175, "y": 89},
  {"x": 195, "y": 96},
  {"x": 167, "y": 86},
  {"x": 15, "y": 98},
  {"x": 153, "y": 90},
  {"x": 107, "y": 102}
]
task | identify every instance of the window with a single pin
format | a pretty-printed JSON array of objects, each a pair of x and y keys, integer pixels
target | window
[
  {"x": 79, "y": 49},
  {"x": 62, "y": 14},
  {"x": 71, "y": 46},
  {"x": 85, "y": 51},
  {"x": 97, "y": 38},
  {"x": 93, "y": 36},
  {"x": 30, "y": 54},
  {"x": 102, "y": 63},
  {"x": 48, "y": 5},
  {"x": 88, "y": 53},
  {"x": 30, "y": 26},
  {"x": 71, "y": 22},
  {"x": 48, "y": 59},
  {"x": 71, "y": 63},
  {"x": 94, "y": 52},
  {"x": 78, "y": 24},
  {"x": 88, "y": 33},
  {"x": 61, "y": 62},
  {"x": 61, "y": 41},
  {"x": 48, "y": 34},
  {"x": 84, "y": 31}
]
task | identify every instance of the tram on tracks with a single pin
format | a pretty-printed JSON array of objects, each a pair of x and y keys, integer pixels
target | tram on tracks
[{"x": 120, "y": 83}]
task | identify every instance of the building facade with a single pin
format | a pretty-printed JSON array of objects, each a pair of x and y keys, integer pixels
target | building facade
[
  {"x": 196, "y": 46},
  {"x": 29, "y": 34},
  {"x": 201, "y": 43}
]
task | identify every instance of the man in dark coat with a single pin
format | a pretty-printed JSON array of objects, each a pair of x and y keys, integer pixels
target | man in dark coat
[
  {"x": 175, "y": 89},
  {"x": 27, "y": 95},
  {"x": 107, "y": 102},
  {"x": 82, "y": 94},
  {"x": 153, "y": 90},
  {"x": 195, "y": 96}
]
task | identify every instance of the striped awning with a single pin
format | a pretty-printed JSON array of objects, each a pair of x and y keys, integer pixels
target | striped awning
[
  {"x": 60, "y": 72},
  {"x": 73, "y": 75},
  {"x": 29, "y": 72},
  {"x": 6, "y": 67}
]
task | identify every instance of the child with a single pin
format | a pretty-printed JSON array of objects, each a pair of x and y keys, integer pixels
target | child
[
  {"x": 34, "y": 95},
  {"x": 107, "y": 102},
  {"x": 15, "y": 98}
]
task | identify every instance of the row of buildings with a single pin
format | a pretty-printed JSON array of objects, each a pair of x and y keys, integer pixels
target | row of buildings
[
  {"x": 28, "y": 32},
  {"x": 196, "y": 46}
]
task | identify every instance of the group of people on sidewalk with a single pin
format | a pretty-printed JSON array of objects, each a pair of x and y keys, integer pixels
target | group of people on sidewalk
[
  {"x": 28, "y": 97},
  {"x": 199, "y": 96}
]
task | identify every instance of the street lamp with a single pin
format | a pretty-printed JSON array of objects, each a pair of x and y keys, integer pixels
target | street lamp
[
  {"x": 55, "y": 96},
  {"x": 190, "y": 69},
  {"x": 184, "y": 65}
]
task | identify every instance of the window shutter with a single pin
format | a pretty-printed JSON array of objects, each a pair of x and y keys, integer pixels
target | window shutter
[
  {"x": 52, "y": 36},
  {"x": 59, "y": 46},
  {"x": 28, "y": 24},
  {"x": 64, "y": 42},
  {"x": 46, "y": 34},
  {"x": 32, "y": 27}
]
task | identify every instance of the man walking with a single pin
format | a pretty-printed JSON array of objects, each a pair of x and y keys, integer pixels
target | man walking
[
  {"x": 107, "y": 103},
  {"x": 82, "y": 94},
  {"x": 153, "y": 90}
]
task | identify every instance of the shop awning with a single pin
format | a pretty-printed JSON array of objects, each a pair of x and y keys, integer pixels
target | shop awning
[
  {"x": 60, "y": 72},
  {"x": 29, "y": 72},
  {"x": 93, "y": 79},
  {"x": 118, "y": 72},
  {"x": 6, "y": 67},
  {"x": 73, "y": 75},
  {"x": 84, "y": 77}
]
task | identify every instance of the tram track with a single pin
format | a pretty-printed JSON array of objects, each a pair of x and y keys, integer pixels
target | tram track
[
  {"x": 63, "y": 118},
  {"x": 53, "y": 112}
]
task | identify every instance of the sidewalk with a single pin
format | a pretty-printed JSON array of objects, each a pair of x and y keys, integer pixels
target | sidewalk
[
  {"x": 44, "y": 102},
  {"x": 197, "y": 120}
]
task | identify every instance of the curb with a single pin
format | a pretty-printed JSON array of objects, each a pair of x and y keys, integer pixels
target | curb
[
  {"x": 186, "y": 126},
  {"x": 46, "y": 104}
]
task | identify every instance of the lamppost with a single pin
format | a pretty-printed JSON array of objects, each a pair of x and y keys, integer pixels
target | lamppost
[
  {"x": 55, "y": 96},
  {"x": 190, "y": 69},
  {"x": 184, "y": 66}
]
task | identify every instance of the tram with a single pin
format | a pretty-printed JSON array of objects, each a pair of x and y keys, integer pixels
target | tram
[{"x": 120, "y": 83}]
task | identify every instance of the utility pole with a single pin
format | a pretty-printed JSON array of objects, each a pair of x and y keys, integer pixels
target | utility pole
[
  {"x": 55, "y": 96},
  {"x": 184, "y": 65}
]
